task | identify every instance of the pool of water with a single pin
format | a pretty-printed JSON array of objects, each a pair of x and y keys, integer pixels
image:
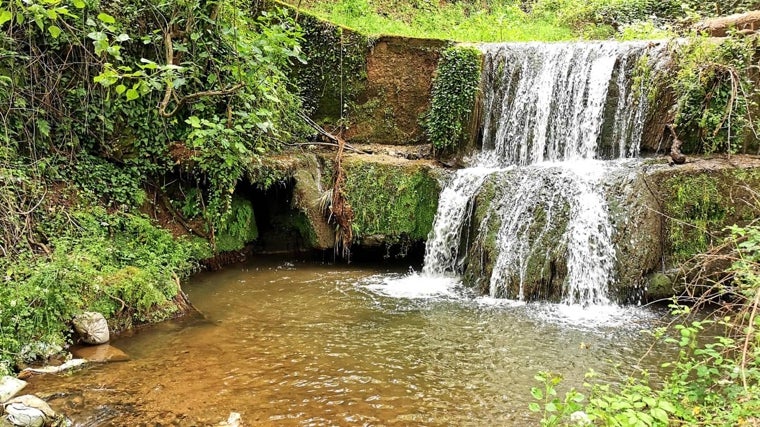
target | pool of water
[{"x": 296, "y": 343}]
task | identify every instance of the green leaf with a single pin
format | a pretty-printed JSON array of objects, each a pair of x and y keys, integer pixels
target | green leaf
[
  {"x": 534, "y": 407},
  {"x": 79, "y": 4},
  {"x": 106, "y": 18},
  {"x": 5, "y": 16},
  {"x": 132, "y": 95},
  {"x": 666, "y": 406},
  {"x": 659, "y": 415},
  {"x": 120, "y": 89},
  {"x": 194, "y": 121},
  {"x": 54, "y": 31},
  {"x": 536, "y": 393},
  {"x": 44, "y": 127}
]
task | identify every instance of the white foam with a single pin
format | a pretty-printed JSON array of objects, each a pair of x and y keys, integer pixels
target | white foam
[
  {"x": 595, "y": 316},
  {"x": 415, "y": 286}
]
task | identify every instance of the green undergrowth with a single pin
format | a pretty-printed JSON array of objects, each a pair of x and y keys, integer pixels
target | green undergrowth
[
  {"x": 398, "y": 202},
  {"x": 119, "y": 264},
  {"x": 521, "y": 20}
]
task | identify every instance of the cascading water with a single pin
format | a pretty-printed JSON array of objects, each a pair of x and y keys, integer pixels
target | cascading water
[{"x": 556, "y": 118}]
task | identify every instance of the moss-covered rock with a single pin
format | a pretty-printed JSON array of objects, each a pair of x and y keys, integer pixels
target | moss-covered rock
[
  {"x": 700, "y": 202},
  {"x": 392, "y": 199},
  {"x": 542, "y": 268}
]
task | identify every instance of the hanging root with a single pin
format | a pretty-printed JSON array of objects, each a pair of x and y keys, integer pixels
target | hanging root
[
  {"x": 333, "y": 202},
  {"x": 676, "y": 156},
  {"x": 340, "y": 210}
]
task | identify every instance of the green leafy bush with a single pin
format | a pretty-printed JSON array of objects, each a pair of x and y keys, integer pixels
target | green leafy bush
[{"x": 119, "y": 264}]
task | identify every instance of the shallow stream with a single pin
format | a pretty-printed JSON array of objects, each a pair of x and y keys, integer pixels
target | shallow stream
[{"x": 297, "y": 343}]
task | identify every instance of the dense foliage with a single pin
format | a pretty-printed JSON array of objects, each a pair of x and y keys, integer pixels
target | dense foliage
[
  {"x": 715, "y": 92},
  {"x": 112, "y": 108}
]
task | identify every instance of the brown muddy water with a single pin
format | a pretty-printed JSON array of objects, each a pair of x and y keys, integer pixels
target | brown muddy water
[{"x": 296, "y": 343}]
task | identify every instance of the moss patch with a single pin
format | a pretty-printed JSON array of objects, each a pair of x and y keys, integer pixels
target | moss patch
[
  {"x": 700, "y": 205},
  {"x": 239, "y": 229},
  {"x": 396, "y": 201}
]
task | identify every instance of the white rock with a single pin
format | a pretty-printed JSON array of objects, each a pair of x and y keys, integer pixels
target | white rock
[
  {"x": 232, "y": 421},
  {"x": 9, "y": 387},
  {"x": 73, "y": 363},
  {"x": 91, "y": 327},
  {"x": 28, "y": 411},
  {"x": 20, "y": 415}
]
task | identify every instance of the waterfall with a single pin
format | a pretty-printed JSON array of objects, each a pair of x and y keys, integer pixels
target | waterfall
[
  {"x": 442, "y": 250},
  {"x": 557, "y": 117}
]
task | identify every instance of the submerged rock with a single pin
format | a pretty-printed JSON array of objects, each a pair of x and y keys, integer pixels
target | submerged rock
[
  {"x": 100, "y": 353},
  {"x": 91, "y": 327},
  {"x": 28, "y": 372},
  {"x": 10, "y": 387},
  {"x": 232, "y": 421},
  {"x": 28, "y": 411}
]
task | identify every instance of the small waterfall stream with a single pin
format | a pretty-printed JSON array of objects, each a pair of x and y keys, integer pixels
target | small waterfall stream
[{"x": 557, "y": 117}]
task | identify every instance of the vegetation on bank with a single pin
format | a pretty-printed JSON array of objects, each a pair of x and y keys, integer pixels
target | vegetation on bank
[
  {"x": 521, "y": 20},
  {"x": 114, "y": 114},
  {"x": 714, "y": 380}
]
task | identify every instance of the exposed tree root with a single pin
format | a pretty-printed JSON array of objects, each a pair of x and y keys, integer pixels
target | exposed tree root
[{"x": 676, "y": 156}]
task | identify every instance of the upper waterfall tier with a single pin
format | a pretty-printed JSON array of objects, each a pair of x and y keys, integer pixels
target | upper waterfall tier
[{"x": 562, "y": 101}]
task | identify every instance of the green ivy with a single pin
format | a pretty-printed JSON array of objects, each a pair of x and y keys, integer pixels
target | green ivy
[
  {"x": 455, "y": 87},
  {"x": 714, "y": 92}
]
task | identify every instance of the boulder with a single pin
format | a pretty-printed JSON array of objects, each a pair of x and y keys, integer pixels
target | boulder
[
  {"x": 28, "y": 411},
  {"x": 91, "y": 327},
  {"x": 744, "y": 23},
  {"x": 100, "y": 353},
  {"x": 9, "y": 387}
]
